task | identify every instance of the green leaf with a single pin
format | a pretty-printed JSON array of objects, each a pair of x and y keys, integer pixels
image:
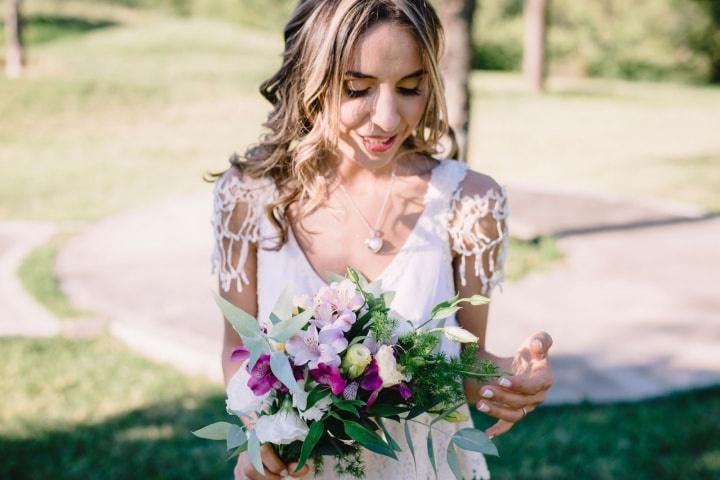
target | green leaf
[
  {"x": 391, "y": 441},
  {"x": 284, "y": 306},
  {"x": 238, "y": 451},
  {"x": 388, "y": 297},
  {"x": 235, "y": 437},
  {"x": 445, "y": 312},
  {"x": 334, "y": 277},
  {"x": 313, "y": 436},
  {"x": 476, "y": 300},
  {"x": 431, "y": 451},
  {"x": 385, "y": 410},
  {"x": 348, "y": 407},
  {"x": 415, "y": 411},
  {"x": 357, "y": 339},
  {"x": 280, "y": 366},
  {"x": 368, "y": 439},
  {"x": 408, "y": 439},
  {"x": 287, "y": 328},
  {"x": 254, "y": 452},
  {"x": 274, "y": 319},
  {"x": 452, "y": 460},
  {"x": 243, "y": 323},
  {"x": 316, "y": 394},
  {"x": 475, "y": 440},
  {"x": 257, "y": 346},
  {"x": 214, "y": 431}
]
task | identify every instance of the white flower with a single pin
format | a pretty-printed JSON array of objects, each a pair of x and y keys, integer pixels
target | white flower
[
  {"x": 281, "y": 428},
  {"x": 388, "y": 368},
  {"x": 316, "y": 411},
  {"x": 460, "y": 335},
  {"x": 240, "y": 398}
]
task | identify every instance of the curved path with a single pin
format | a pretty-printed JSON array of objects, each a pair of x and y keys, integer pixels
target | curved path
[{"x": 633, "y": 310}]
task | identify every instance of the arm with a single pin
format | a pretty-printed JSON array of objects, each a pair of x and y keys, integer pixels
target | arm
[{"x": 479, "y": 237}]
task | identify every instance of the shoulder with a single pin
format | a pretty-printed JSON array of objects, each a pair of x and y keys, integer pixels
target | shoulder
[
  {"x": 236, "y": 187},
  {"x": 478, "y": 185}
]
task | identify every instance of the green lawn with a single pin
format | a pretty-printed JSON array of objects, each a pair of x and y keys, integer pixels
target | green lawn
[{"x": 92, "y": 409}]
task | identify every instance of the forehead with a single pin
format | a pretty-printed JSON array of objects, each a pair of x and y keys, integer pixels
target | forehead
[{"x": 386, "y": 50}]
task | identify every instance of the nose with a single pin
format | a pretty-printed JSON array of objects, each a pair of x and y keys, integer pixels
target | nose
[{"x": 385, "y": 111}]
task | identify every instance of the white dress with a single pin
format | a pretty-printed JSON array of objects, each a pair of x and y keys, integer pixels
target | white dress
[{"x": 455, "y": 219}]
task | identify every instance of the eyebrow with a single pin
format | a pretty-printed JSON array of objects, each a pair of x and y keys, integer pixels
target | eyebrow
[{"x": 355, "y": 74}]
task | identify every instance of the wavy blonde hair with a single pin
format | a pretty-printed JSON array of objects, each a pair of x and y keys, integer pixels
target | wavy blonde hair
[{"x": 298, "y": 152}]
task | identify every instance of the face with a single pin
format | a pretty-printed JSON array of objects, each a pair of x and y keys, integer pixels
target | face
[{"x": 384, "y": 95}]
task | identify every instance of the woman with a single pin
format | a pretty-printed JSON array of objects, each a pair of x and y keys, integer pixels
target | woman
[{"x": 347, "y": 175}]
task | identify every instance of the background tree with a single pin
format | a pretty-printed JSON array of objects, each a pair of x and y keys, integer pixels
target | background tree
[
  {"x": 534, "y": 65},
  {"x": 456, "y": 17},
  {"x": 14, "y": 57}
]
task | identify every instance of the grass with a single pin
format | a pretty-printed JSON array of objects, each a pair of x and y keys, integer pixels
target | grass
[
  {"x": 92, "y": 409},
  {"x": 36, "y": 272},
  {"x": 525, "y": 256}
]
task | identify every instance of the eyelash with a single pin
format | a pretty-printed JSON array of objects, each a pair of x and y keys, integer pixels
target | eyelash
[{"x": 404, "y": 91}]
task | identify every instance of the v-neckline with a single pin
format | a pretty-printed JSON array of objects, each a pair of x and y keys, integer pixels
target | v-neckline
[{"x": 427, "y": 197}]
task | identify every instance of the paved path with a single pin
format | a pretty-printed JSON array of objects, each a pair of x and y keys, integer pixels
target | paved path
[
  {"x": 20, "y": 314},
  {"x": 634, "y": 310}
]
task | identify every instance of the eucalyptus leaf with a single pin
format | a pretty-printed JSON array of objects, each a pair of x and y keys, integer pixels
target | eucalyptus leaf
[
  {"x": 475, "y": 440},
  {"x": 452, "y": 460},
  {"x": 274, "y": 319},
  {"x": 257, "y": 346},
  {"x": 236, "y": 437},
  {"x": 280, "y": 366},
  {"x": 254, "y": 452},
  {"x": 287, "y": 328},
  {"x": 390, "y": 440},
  {"x": 368, "y": 439},
  {"x": 243, "y": 323},
  {"x": 214, "y": 431},
  {"x": 431, "y": 450},
  {"x": 284, "y": 306},
  {"x": 313, "y": 436}
]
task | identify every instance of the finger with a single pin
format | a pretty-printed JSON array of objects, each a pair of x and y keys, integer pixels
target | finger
[
  {"x": 511, "y": 399},
  {"x": 499, "y": 428},
  {"x": 253, "y": 474},
  {"x": 271, "y": 460},
  {"x": 528, "y": 384},
  {"x": 540, "y": 344},
  {"x": 303, "y": 471},
  {"x": 499, "y": 411}
]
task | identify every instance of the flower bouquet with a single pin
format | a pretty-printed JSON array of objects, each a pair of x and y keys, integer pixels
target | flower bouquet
[{"x": 324, "y": 373}]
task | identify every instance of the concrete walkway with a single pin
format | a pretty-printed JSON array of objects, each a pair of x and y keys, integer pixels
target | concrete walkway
[
  {"x": 20, "y": 314},
  {"x": 633, "y": 310}
]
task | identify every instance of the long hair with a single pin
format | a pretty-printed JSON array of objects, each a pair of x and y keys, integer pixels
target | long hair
[{"x": 298, "y": 151}]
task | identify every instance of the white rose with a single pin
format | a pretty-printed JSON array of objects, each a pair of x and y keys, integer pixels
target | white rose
[
  {"x": 388, "y": 368},
  {"x": 282, "y": 428},
  {"x": 240, "y": 399}
]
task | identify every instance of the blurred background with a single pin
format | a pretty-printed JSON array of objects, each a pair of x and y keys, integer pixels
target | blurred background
[{"x": 601, "y": 117}]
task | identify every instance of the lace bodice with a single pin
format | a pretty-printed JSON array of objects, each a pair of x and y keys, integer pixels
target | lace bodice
[{"x": 462, "y": 217}]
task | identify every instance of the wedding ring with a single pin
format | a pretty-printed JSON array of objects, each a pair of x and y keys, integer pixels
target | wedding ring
[{"x": 524, "y": 412}]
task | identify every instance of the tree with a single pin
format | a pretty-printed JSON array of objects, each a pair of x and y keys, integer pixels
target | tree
[
  {"x": 456, "y": 17},
  {"x": 534, "y": 64},
  {"x": 14, "y": 57}
]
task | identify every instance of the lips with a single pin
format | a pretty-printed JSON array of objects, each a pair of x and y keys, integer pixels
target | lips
[{"x": 378, "y": 144}]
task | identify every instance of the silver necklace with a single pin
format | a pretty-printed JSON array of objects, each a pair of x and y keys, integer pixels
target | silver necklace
[{"x": 374, "y": 242}]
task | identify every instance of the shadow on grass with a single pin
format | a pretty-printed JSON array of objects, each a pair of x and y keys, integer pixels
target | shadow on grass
[
  {"x": 39, "y": 29},
  {"x": 151, "y": 442}
]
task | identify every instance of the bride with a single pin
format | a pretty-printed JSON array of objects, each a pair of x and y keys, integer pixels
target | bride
[{"x": 347, "y": 175}]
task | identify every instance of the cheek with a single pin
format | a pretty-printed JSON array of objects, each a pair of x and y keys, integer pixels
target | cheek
[
  {"x": 413, "y": 108},
  {"x": 352, "y": 114}
]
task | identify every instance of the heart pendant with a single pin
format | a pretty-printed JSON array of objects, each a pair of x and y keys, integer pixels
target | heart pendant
[{"x": 374, "y": 244}]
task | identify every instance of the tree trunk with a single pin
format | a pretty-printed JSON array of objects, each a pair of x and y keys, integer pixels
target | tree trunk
[
  {"x": 534, "y": 66},
  {"x": 456, "y": 17},
  {"x": 14, "y": 58}
]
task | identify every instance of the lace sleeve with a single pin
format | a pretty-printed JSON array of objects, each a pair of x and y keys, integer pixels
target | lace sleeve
[
  {"x": 478, "y": 228},
  {"x": 238, "y": 204}
]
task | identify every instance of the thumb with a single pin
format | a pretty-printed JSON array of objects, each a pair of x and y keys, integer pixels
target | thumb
[{"x": 540, "y": 344}]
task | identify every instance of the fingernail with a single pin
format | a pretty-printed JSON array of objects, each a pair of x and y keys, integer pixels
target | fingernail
[
  {"x": 538, "y": 344},
  {"x": 491, "y": 437},
  {"x": 284, "y": 473},
  {"x": 483, "y": 407},
  {"x": 487, "y": 393},
  {"x": 505, "y": 382}
]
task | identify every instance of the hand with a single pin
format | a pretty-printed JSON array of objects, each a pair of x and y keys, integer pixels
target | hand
[
  {"x": 275, "y": 469},
  {"x": 532, "y": 377}
]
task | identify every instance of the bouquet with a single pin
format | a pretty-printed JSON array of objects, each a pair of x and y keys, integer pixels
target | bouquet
[{"x": 324, "y": 374}]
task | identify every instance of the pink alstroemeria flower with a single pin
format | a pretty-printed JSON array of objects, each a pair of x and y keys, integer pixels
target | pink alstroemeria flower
[
  {"x": 309, "y": 346},
  {"x": 329, "y": 375},
  {"x": 262, "y": 379},
  {"x": 335, "y": 305}
]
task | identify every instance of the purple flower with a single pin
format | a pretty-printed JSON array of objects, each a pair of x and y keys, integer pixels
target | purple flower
[
  {"x": 329, "y": 375},
  {"x": 371, "y": 379},
  {"x": 309, "y": 346},
  {"x": 404, "y": 389},
  {"x": 239, "y": 353},
  {"x": 350, "y": 392},
  {"x": 335, "y": 305},
  {"x": 262, "y": 379}
]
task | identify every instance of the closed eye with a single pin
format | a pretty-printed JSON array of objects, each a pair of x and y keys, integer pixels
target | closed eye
[{"x": 403, "y": 91}]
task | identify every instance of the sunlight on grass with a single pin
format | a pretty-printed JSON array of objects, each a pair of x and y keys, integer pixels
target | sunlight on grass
[{"x": 525, "y": 256}]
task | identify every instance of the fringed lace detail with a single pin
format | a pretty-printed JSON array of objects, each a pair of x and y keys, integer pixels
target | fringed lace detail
[
  {"x": 238, "y": 206},
  {"x": 478, "y": 226}
]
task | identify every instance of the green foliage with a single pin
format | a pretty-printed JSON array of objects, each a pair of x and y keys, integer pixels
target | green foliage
[{"x": 382, "y": 325}]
